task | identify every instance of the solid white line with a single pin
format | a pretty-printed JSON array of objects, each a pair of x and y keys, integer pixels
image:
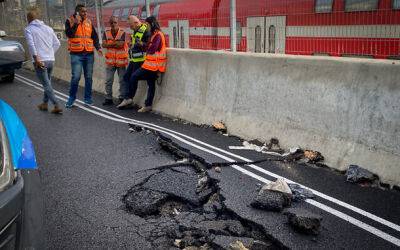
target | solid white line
[
  {"x": 370, "y": 229},
  {"x": 356, "y": 222},
  {"x": 259, "y": 169}
]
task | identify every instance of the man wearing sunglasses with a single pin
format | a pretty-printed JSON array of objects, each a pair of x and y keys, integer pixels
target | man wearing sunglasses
[{"x": 114, "y": 40}]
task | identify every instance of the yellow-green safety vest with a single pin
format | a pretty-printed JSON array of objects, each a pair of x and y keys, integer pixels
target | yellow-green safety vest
[{"x": 138, "y": 56}]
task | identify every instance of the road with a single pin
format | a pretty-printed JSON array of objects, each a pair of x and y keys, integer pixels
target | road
[{"x": 88, "y": 161}]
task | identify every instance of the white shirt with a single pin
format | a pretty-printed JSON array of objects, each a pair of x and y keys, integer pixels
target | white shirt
[{"x": 42, "y": 41}]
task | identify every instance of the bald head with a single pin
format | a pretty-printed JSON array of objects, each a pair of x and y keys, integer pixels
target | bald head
[
  {"x": 134, "y": 22},
  {"x": 33, "y": 13}
]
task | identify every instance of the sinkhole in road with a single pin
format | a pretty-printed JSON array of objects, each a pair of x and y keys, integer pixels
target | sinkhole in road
[{"x": 183, "y": 206}]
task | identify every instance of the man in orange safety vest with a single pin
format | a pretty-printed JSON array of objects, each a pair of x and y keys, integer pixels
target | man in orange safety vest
[{"x": 114, "y": 40}]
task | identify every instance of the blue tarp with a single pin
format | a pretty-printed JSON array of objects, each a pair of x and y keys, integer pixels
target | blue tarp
[{"x": 23, "y": 153}]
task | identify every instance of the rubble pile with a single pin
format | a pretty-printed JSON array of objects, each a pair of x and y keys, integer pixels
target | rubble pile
[
  {"x": 356, "y": 174},
  {"x": 278, "y": 195},
  {"x": 184, "y": 210}
]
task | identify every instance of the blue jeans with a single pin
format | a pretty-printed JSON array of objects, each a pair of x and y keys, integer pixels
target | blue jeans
[
  {"x": 150, "y": 77},
  {"x": 83, "y": 61},
  {"x": 44, "y": 76},
  {"x": 132, "y": 67}
]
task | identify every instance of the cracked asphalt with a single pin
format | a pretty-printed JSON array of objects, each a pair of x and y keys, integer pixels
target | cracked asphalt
[{"x": 87, "y": 163}]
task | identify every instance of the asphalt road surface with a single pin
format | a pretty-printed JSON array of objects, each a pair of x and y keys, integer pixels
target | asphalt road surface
[{"x": 88, "y": 160}]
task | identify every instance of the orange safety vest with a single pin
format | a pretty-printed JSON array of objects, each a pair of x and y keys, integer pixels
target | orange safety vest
[
  {"x": 158, "y": 60},
  {"x": 116, "y": 57},
  {"x": 82, "y": 41}
]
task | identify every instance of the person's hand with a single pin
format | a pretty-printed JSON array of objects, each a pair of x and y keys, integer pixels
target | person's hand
[
  {"x": 100, "y": 52},
  {"x": 38, "y": 63},
  {"x": 78, "y": 19}
]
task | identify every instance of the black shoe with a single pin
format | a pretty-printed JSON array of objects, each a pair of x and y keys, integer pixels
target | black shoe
[{"x": 108, "y": 102}]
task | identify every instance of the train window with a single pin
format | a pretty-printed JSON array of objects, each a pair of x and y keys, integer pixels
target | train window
[
  {"x": 116, "y": 12},
  {"x": 257, "y": 40},
  {"x": 396, "y": 4},
  {"x": 361, "y": 5},
  {"x": 271, "y": 39},
  {"x": 323, "y": 6},
  {"x": 125, "y": 14},
  {"x": 238, "y": 32}
]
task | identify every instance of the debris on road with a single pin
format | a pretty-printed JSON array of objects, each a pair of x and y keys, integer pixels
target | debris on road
[
  {"x": 293, "y": 154},
  {"x": 273, "y": 196},
  {"x": 237, "y": 245},
  {"x": 218, "y": 169},
  {"x": 279, "y": 185},
  {"x": 299, "y": 193},
  {"x": 135, "y": 128},
  {"x": 183, "y": 208},
  {"x": 144, "y": 202},
  {"x": 304, "y": 221},
  {"x": 220, "y": 127},
  {"x": 313, "y": 156},
  {"x": 356, "y": 174}
]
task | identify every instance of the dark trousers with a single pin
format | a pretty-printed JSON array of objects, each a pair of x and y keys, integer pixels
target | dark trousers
[
  {"x": 132, "y": 67},
  {"x": 150, "y": 77}
]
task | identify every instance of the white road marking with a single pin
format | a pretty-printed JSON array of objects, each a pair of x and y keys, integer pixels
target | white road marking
[
  {"x": 259, "y": 169},
  {"x": 175, "y": 134}
]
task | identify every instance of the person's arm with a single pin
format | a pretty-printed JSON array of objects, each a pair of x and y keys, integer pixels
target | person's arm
[
  {"x": 70, "y": 31},
  {"x": 104, "y": 44},
  {"x": 145, "y": 39},
  {"x": 30, "y": 42},
  {"x": 56, "y": 43},
  {"x": 155, "y": 45},
  {"x": 95, "y": 38},
  {"x": 120, "y": 44}
]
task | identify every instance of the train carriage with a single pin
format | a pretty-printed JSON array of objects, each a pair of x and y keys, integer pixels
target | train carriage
[{"x": 369, "y": 28}]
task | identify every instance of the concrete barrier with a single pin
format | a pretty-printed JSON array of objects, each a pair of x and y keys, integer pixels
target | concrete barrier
[{"x": 346, "y": 108}]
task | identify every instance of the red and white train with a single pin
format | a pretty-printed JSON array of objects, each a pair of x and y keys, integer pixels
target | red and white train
[{"x": 368, "y": 28}]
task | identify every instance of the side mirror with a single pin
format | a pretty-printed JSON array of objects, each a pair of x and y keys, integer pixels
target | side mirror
[{"x": 3, "y": 33}]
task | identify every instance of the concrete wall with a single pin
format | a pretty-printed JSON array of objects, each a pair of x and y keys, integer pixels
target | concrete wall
[{"x": 348, "y": 109}]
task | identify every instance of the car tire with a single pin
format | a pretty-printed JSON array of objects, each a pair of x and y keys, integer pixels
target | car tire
[{"x": 10, "y": 77}]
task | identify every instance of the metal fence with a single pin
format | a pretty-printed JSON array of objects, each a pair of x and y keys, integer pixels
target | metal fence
[{"x": 364, "y": 28}]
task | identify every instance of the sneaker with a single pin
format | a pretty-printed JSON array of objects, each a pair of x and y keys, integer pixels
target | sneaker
[
  {"x": 124, "y": 103},
  {"x": 89, "y": 103},
  {"x": 56, "y": 110},
  {"x": 69, "y": 104},
  {"x": 108, "y": 102},
  {"x": 145, "y": 109},
  {"x": 43, "y": 107}
]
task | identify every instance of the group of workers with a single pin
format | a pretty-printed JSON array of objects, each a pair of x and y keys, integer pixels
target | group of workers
[{"x": 140, "y": 55}]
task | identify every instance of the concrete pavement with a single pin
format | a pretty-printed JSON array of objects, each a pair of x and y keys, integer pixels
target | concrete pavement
[{"x": 85, "y": 171}]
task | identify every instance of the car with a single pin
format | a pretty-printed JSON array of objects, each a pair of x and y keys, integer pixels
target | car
[
  {"x": 18, "y": 162},
  {"x": 12, "y": 55}
]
